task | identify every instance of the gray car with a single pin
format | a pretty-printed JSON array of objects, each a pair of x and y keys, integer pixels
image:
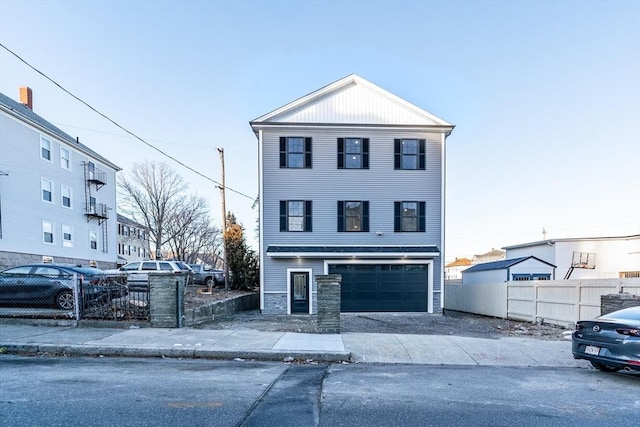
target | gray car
[
  {"x": 610, "y": 342},
  {"x": 35, "y": 285},
  {"x": 205, "y": 275}
]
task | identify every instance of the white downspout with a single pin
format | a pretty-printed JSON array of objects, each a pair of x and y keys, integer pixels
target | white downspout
[{"x": 442, "y": 219}]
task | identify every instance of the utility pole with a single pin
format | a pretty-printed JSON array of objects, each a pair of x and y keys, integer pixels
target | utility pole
[{"x": 224, "y": 222}]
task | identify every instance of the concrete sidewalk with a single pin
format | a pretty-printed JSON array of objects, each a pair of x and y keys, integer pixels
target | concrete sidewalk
[{"x": 278, "y": 346}]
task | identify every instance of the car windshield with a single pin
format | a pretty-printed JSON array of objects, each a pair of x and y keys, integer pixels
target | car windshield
[{"x": 183, "y": 266}]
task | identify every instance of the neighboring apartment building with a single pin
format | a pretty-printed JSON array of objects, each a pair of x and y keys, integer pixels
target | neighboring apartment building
[
  {"x": 351, "y": 182},
  {"x": 133, "y": 241},
  {"x": 57, "y": 196},
  {"x": 586, "y": 257}
]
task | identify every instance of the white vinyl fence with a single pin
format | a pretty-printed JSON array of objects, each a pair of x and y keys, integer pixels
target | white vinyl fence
[{"x": 558, "y": 302}]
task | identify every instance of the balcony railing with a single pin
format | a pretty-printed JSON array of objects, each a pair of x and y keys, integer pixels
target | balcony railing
[
  {"x": 99, "y": 211},
  {"x": 95, "y": 175}
]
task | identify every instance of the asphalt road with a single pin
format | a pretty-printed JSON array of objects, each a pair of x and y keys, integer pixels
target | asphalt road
[{"x": 167, "y": 392}]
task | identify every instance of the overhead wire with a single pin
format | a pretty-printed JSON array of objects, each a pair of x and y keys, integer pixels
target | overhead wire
[{"x": 253, "y": 199}]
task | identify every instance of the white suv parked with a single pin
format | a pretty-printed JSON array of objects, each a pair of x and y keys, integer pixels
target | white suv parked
[{"x": 138, "y": 272}]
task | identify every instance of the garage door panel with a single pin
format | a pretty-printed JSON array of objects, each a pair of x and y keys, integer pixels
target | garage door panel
[{"x": 382, "y": 287}]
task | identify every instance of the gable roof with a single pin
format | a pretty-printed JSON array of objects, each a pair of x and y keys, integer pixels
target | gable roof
[
  {"x": 352, "y": 100},
  {"x": 27, "y": 115},
  {"x": 502, "y": 264}
]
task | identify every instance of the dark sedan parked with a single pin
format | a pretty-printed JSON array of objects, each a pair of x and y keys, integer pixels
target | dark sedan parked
[
  {"x": 52, "y": 285},
  {"x": 610, "y": 342}
]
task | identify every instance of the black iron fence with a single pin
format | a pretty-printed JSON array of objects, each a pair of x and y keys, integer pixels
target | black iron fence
[
  {"x": 71, "y": 297},
  {"x": 121, "y": 302}
]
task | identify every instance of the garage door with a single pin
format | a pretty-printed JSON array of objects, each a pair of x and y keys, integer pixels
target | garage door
[{"x": 382, "y": 287}]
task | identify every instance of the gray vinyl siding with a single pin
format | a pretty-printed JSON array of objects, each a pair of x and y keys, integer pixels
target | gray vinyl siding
[
  {"x": 277, "y": 285},
  {"x": 325, "y": 184}
]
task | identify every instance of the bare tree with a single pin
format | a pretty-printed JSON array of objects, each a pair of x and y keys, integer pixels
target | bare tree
[
  {"x": 190, "y": 230},
  {"x": 151, "y": 193}
]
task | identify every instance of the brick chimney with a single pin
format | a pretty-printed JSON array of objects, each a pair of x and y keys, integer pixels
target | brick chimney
[{"x": 26, "y": 97}]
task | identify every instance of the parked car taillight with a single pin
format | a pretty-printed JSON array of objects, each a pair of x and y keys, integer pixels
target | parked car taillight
[
  {"x": 579, "y": 327},
  {"x": 629, "y": 332}
]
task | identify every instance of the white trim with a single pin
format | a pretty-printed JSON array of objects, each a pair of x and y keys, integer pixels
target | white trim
[
  {"x": 355, "y": 255},
  {"x": 50, "y": 189},
  {"x": 351, "y": 126},
  {"x": 62, "y": 188},
  {"x": 62, "y": 159},
  {"x": 67, "y": 243},
  {"x": 261, "y": 218},
  {"x": 50, "y": 148},
  {"x": 51, "y": 226},
  {"x": 309, "y": 271},
  {"x": 443, "y": 163},
  {"x": 429, "y": 263},
  {"x": 91, "y": 234}
]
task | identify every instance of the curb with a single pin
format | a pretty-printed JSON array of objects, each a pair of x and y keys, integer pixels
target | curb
[{"x": 185, "y": 353}]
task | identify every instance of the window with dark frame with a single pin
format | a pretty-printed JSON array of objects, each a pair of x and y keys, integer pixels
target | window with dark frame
[
  {"x": 353, "y": 216},
  {"x": 295, "y": 152},
  {"x": 409, "y": 216},
  {"x": 409, "y": 154},
  {"x": 353, "y": 153},
  {"x": 296, "y": 215}
]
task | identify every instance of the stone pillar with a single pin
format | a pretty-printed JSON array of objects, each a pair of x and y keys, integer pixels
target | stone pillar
[
  {"x": 328, "y": 301},
  {"x": 166, "y": 300},
  {"x": 614, "y": 302}
]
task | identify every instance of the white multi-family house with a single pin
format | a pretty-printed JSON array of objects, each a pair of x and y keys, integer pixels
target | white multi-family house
[
  {"x": 57, "y": 196},
  {"x": 133, "y": 241},
  {"x": 351, "y": 182}
]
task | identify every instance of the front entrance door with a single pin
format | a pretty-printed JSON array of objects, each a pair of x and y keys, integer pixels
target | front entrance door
[{"x": 299, "y": 292}]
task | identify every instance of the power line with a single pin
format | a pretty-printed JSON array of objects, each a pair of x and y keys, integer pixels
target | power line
[{"x": 122, "y": 127}]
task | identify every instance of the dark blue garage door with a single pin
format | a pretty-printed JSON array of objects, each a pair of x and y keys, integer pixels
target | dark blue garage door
[{"x": 382, "y": 287}]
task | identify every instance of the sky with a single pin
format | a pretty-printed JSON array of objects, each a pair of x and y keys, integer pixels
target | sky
[{"x": 545, "y": 95}]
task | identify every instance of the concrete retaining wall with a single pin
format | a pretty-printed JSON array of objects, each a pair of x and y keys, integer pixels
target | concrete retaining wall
[{"x": 209, "y": 312}]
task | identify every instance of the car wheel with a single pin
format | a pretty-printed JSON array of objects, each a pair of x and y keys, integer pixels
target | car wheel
[
  {"x": 64, "y": 300},
  {"x": 210, "y": 282},
  {"x": 605, "y": 368}
]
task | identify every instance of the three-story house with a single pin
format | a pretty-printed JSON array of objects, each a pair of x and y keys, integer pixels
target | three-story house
[
  {"x": 57, "y": 196},
  {"x": 351, "y": 182}
]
